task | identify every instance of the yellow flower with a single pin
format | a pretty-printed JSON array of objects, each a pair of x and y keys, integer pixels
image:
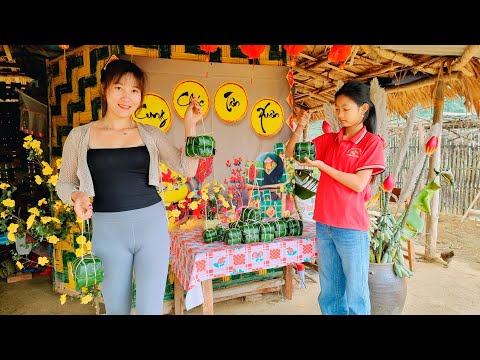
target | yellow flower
[
  {"x": 59, "y": 163},
  {"x": 35, "y": 144},
  {"x": 39, "y": 151},
  {"x": 47, "y": 170},
  {"x": 42, "y": 201},
  {"x": 42, "y": 260},
  {"x": 81, "y": 239},
  {"x": 79, "y": 252},
  {"x": 30, "y": 221},
  {"x": 13, "y": 228},
  {"x": 53, "y": 180},
  {"x": 163, "y": 168},
  {"x": 45, "y": 219},
  {"x": 175, "y": 213},
  {"x": 86, "y": 299},
  {"x": 191, "y": 194},
  {"x": 34, "y": 211},
  {"x": 88, "y": 245},
  {"x": 4, "y": 186},
  {"x": 19, "y": 265},
  {"x": 63, "y": 299},
  {"x": 26, "y": 144},
  {"x": 3, "y": 214},
  {"x": 9, "y": 202},
  {"x": 38, "y": 179},
  {"x": 28, "y": 138},
  {"x": 11, "y": 237},
  {"x": 216, "y": 189},
  {"x": 56, "y": 220},
  {"x": 193, "y": 205},
  {"x": 52, "y": 239}
]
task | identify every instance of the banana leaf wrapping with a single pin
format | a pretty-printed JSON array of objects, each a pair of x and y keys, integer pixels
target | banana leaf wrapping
[
  {"x": 251, "y": 215},
  {"x": 267, "y": 232},
  {"x": 232, "y": 236},
  {"x": 87, "y": 270},
  {"x": 220, "y": 231},
  {"x": 239, "y": 224},
  {"x": 303, "y": 149},
  {"x": 305, "y": 183},
  {"x": 251, "y": 233},
  {"x": 281, "y": 228},
  {"x": 209, "y": 235},
  {"x": 295, "y": 227},
  {"x": 200, "y": 146}
]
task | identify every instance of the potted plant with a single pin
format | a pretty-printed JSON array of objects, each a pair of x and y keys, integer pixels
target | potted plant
[{"x": 388, "y": 237}]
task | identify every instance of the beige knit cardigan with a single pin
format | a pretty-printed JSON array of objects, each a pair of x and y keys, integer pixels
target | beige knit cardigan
[{"x": 74, "y": 174}]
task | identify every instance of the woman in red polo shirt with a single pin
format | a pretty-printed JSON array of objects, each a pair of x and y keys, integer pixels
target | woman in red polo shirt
[{"x": 347, "y": 160}]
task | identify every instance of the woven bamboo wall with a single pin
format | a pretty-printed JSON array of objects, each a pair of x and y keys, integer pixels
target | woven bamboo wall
[
  {"x": 74, "y": 94},
  {"x": 461, "y": 154}
]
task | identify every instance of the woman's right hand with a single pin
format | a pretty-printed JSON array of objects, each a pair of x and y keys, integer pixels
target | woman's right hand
[
  {"x": 82, "y": 205},
  {"x": 302, "y": 118}
]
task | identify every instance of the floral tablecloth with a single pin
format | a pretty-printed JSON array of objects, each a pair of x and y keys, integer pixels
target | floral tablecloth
[{"x": 194, "y": 261}]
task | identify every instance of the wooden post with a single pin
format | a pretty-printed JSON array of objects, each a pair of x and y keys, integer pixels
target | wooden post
[
  {"x": 207, "y": 287},
  {"x": 470, "y": 207},
  {"x": 434, "y": 163},
  {"x": 178, "y": 296},
  {"x": 288, "y": 286}
]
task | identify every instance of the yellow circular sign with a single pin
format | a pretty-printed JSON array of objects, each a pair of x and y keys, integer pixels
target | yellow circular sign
[
  {"x": 155, "y": 111},
  {"x": 267, "y": 117},
  {"x": 231, "y": 102},
  {"x": 183, "y": 93}
]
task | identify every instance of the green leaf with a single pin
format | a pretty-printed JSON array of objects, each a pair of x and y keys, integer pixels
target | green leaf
[
  {"x": 415, "y": 222},
  {"x": 433, "y": 186},
  {"x": 422, "y": 201},
  {"x": 447, "y": 176}
]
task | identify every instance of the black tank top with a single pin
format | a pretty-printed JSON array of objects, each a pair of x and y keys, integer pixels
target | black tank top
[{"x": 120, "y": 179}]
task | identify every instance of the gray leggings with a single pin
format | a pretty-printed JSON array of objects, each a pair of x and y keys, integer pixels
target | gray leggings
[{"x": 134, "y": 240}]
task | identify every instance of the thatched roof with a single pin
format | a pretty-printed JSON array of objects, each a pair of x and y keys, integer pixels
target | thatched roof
[{"x": 408, "y": 73}]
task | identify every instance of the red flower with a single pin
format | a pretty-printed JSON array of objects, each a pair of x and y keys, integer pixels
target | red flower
[
  {"x": 388, "y": 183},
  {"x": 431, "y": 145}
]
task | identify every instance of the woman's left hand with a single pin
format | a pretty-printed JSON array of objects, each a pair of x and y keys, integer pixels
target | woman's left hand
[
  {"x": 308, "y": 162},
  {"x": 193, "y": 114}
]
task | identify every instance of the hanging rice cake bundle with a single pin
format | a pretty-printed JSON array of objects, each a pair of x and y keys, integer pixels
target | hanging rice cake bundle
[
  {"x": 251, "y": 215},
  {"x": 239, "y": 224},
  {"x": 210, "y": 235},
  {"x": 200, "y": 146},
  {"x": 281, "y": 228},
  {"x": 295, "y": 227},
  {"x": 304, "y": 149},
  {"x": 87, "y": 270},
  {"x": 232, "y": 236},
  {"x": 267, "y": 231},
  {"x": 251, "y": 233}
]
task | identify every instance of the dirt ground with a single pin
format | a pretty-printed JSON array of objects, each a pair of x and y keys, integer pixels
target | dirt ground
[{"x": 433, "y": 289}]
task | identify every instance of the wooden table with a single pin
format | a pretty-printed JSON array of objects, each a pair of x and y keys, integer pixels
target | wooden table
[{"x": 194, "y": 262}]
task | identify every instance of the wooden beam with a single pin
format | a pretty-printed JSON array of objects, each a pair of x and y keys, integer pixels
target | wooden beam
[
  {"x": 390, "y": 55},
  {"x": 467, "y": 55},
  {"x": 311, "y": 74},
  {"x": 421, "y": 83}
]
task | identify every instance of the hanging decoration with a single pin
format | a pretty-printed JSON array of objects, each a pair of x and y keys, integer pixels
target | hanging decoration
[
  {"x": 253, "y": 52},
  {"x": 208, "y": 49},
  {"x": 64, "y": 48},
  {"x": 339, "y": 54},
  {"x": 293, "y": 51}
]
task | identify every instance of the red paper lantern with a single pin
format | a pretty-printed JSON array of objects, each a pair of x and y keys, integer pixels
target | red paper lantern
[
  {"x": 339, "y": 53},
  {"x": 294, "y": 50},
  {"x": 209, "y": 49},
  {"x": 252, "y": 51}
]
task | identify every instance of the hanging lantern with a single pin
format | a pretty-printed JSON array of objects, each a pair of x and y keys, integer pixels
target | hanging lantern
[
  {"x": 339, "y": 53},
  {"x": 64, "y": 48},
  {"x": 252, "y": 51},
  {"x": 294, "y": 50},
  {"x": 209, "y": 49}
]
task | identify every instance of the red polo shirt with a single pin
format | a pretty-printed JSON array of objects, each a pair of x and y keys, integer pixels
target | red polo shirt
[{"x": 335, "y": 204}]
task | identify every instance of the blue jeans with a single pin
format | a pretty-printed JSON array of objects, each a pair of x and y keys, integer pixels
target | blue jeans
[{"x": 343, "y": 264}]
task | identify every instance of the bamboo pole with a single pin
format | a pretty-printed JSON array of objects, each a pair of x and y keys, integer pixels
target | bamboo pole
[
  {"x": 467, "y": 55},
  {"x": 434, "y": 163},
  {"x": 421, "y": 83}
]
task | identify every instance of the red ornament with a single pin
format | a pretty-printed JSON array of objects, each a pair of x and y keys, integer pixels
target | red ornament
[
  {"x": 209, "y": 49},
  {"x": 294, "y": 50},
  {"x": 339, "y": 53},
  {"x": 252, "y": 51},
  {"x": 431, "y": 145},
  {"x": 64, "y": 48},
  {"x": 326, "y": 127}
]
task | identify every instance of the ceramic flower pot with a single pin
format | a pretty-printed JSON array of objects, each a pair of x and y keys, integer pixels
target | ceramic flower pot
[{"x": 387, "y": 290}]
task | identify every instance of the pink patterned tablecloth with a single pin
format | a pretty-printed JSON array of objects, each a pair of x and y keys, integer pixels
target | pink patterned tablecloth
[{"x": 194, "y": 261}]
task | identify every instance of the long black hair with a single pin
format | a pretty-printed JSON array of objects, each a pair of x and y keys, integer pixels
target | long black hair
[{"x": 360, "y": 93}]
